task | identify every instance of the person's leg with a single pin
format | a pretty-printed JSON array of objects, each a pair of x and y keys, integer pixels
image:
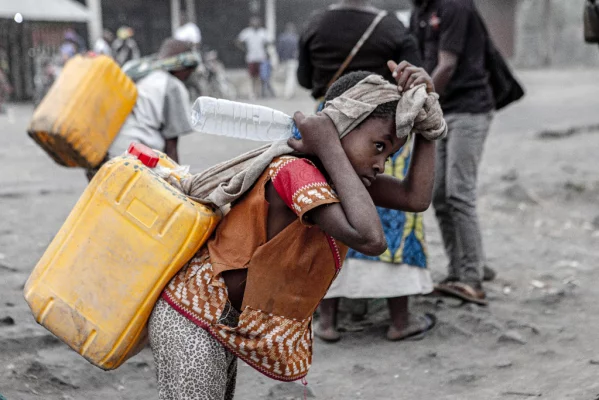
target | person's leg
[
  {"x": 404, "y": 324},
  {"x": 190, "y": 364},
  {"x": 399, "y": 311},
  {"x": 290, "y": 78},
  {"x": 271, "y": 91},
  {"x": 464, "y": 153},
  {"x": 257, "y": 87},
  {"x": 327, "y": 320},
  {"x": 252, "y": 94},
  {"x": 442, "y": 209}
]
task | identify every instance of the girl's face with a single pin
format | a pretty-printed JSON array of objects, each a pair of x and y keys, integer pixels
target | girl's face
[{"x": 370, "y": 145}]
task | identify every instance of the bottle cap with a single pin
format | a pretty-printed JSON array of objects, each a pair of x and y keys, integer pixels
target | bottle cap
[{"x": 146, "y": 155}]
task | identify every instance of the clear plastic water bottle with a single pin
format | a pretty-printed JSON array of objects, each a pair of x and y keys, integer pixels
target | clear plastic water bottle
[{"x": 240, "y": 120}]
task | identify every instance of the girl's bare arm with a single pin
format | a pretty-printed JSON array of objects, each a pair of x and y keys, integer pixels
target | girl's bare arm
[{"x": 355, "y": 220}]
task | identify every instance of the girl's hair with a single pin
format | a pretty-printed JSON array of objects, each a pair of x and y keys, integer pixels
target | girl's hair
[{"x": 346, "y": 82}]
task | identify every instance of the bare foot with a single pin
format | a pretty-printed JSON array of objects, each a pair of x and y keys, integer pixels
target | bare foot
[
  {"x": 418, "y": 326},
  {"x": 330, "y": 334}
]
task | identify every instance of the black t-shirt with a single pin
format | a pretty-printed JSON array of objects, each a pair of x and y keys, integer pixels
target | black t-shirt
[
  {"x": 454, "y": 26},
  {"x": 330, "y": 36}
]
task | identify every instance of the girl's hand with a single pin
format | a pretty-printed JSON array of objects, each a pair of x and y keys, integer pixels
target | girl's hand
[
  {"x": 318, "y": 134},
  {"x": 409, "y": 76}
]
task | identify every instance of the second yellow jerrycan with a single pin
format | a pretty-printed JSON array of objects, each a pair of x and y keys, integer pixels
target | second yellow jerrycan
[
  {"x": 127, "y": 236},
  {"x": 83, "y": 111}
]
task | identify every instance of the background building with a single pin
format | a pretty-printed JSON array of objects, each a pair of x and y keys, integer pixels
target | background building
[
  {"x": 532, "y": 33},
  {"x": 31, "y": 31}
]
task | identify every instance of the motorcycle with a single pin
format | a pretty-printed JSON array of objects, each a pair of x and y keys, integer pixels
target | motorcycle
[{"x": 214, "y": 75}]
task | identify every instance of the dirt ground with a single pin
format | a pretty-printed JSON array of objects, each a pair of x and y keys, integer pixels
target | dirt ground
[{"x": 539, "y": 188}]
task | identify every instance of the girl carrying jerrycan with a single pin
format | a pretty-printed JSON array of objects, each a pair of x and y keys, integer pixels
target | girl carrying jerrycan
[{"x": 250, "y": 292}]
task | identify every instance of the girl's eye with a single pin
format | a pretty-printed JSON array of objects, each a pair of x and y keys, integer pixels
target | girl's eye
[{"x": 380, "y": 147}]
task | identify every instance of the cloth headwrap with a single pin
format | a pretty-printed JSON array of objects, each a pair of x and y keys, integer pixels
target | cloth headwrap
[
  {"x": 189, "y": 59},
  {"x": 138, "y": 69},
  {"x": 417, "y": 111}
]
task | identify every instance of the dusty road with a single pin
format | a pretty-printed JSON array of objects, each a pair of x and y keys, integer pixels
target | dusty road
[{"x": 540, "y": 217}]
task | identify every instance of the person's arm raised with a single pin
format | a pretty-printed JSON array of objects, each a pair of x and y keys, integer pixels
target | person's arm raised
[
  {"x": 414, "y": 192},
  {"x": 355, "y": 221}
]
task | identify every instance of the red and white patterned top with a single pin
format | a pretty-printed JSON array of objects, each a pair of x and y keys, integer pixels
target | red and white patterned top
[{"x": 279, "y": 346}]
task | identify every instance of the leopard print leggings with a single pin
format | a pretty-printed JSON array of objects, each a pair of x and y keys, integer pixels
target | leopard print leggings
[{"x": 190, "y": 364}]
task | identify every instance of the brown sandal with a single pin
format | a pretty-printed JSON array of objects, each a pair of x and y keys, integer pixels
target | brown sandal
[{"x": 463, "y": 291}]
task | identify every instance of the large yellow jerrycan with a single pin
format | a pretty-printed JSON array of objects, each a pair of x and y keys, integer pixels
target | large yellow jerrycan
[
  {"x": 127, "y": 236},
  {"x": 83, "y": 111}
]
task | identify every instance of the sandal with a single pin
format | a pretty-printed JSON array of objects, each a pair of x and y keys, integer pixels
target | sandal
[
  {"x": 463, "y": 291},
  {"x": 426, "y": 324}
]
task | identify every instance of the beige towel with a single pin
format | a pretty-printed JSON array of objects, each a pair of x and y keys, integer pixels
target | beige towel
[{"x": 417, "y": 111}]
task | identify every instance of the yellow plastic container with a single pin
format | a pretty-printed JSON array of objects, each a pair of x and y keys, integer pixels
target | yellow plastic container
[
  {"x": 83, "y": 111},
  {"x": 98, "y": 281}
]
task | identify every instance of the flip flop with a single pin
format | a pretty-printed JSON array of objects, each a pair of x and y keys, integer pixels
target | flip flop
[
  {"x": 419, "y": 334},
  {"x": 463, "y": 291}
]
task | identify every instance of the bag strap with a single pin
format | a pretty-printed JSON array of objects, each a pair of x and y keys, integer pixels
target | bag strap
[{"x": 379, "y": 17}]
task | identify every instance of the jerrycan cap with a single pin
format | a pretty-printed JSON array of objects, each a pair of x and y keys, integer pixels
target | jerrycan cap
[{"x": 146, "y": 155}]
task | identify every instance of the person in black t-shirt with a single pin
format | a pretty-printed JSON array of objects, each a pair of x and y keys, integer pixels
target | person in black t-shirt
[
  {"x": 452, "y": 45},
  {"x": 330, "y": 36}
]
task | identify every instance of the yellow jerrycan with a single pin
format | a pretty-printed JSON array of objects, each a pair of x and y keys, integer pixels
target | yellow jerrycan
[
  {"x": 83, "y": 111},
  {"x": 127, "y": 236}
]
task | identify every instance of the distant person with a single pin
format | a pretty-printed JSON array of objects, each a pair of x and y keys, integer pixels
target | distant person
[
  {"x": 188, "y": 32},
  {"x": 453, "y": 41},
  {"x": 124, "y": 48},
  {"x": 162, "y": 112},
  {"x": 253, "y": 40},
  {"x": 73, "y": 37},
  {"x": 5, "y": 87},
  {"x": 5, "y": 90},
  {"x": 102, "y": 45},
  {"x": 591, "y": 21},
  {"x": 402, "y": 270},
  {"x": 288, "y": 50},
  {"x": 71, "y": 45},
  {"x": 265, "y": 77}
]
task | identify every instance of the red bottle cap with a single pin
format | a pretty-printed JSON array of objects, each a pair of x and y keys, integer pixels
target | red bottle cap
[{"x": 146, "y": 155}]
